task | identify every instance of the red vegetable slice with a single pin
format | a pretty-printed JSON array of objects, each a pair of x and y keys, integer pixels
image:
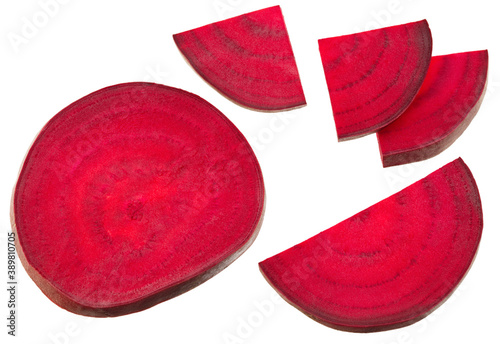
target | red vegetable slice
[
  {"x": 373, "y": 76},
  {"x": 391, "y": 264},
  {"x": 443, "y": 108},
  {"x": 248, "y": 58},
  {"x": 132, "y": 195}
]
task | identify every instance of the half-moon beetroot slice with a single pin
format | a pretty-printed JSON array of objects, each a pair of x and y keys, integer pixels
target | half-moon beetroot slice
[
  {"x": 247, "y": 58},
  {"x": 449, "y": 99},
  {"x": 373, "y": 76},
  {"x": 391, "y": 264},
  {"x": 132, "y": 195}
]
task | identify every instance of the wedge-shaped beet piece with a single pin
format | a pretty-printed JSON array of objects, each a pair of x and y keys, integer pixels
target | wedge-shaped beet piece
[
  {"x": 373, "y": 76},
  {"x": 248, "y": 58},
  {"x": 449, "y": 99},
  {"x": 132, "y": 195},
  {"x": 391, "y": 264}
]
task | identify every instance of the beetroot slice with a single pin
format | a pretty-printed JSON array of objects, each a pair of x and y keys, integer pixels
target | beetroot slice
[
  {"x": 391, "y": 264},
  {"x": 373, "y": 76},
  {"x": 248, "y": 58},
  {"x": 449, "y": 99},
  {"x": 132, "y": 195}
]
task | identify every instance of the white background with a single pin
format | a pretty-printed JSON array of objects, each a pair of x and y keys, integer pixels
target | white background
[{"x": 312, "y": 181}]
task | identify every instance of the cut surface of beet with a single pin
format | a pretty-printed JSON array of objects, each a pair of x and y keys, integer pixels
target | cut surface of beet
[
  {"x": 391, "y": 264},
  {"x": 373, "y": 76},
  {"x": 247, "y": 58},
  {"x": 447, "y": 102},
  {"x": 132, "y": 195}
]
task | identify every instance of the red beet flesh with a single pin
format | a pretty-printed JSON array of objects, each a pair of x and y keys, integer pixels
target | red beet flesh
[
  {"x": 132, "y": 195},
  {"x": 248, "y": 58},
  {"x": 391, "y": 264},
  {"x": 373, "y": 76},
  {"x": 443, "y": 108}
]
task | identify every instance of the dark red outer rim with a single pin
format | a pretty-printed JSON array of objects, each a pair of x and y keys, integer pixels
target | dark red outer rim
[{"x": 63, "y": 301}]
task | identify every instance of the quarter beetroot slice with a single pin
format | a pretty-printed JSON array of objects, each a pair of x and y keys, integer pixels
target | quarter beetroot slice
[
  {"x": 449, "y": 99},
  {"x": 391, "y": 264},
  {"x": 248, "y": 58},
  {"x": 373, "y": 76},
  {"x": 132, "y": 195}
]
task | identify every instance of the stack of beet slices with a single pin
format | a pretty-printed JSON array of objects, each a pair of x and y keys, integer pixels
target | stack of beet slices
[{"x": 386, "y": 81}]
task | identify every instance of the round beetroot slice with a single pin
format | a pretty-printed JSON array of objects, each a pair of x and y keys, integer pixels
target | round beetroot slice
[
  {"x": 247, "y": 58},
  {"x": 132, "y": 195},
  {"x": 449, "y": 99},
  {"x": 373, "y": 76},
  {"x": 391, "y": 264}
]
